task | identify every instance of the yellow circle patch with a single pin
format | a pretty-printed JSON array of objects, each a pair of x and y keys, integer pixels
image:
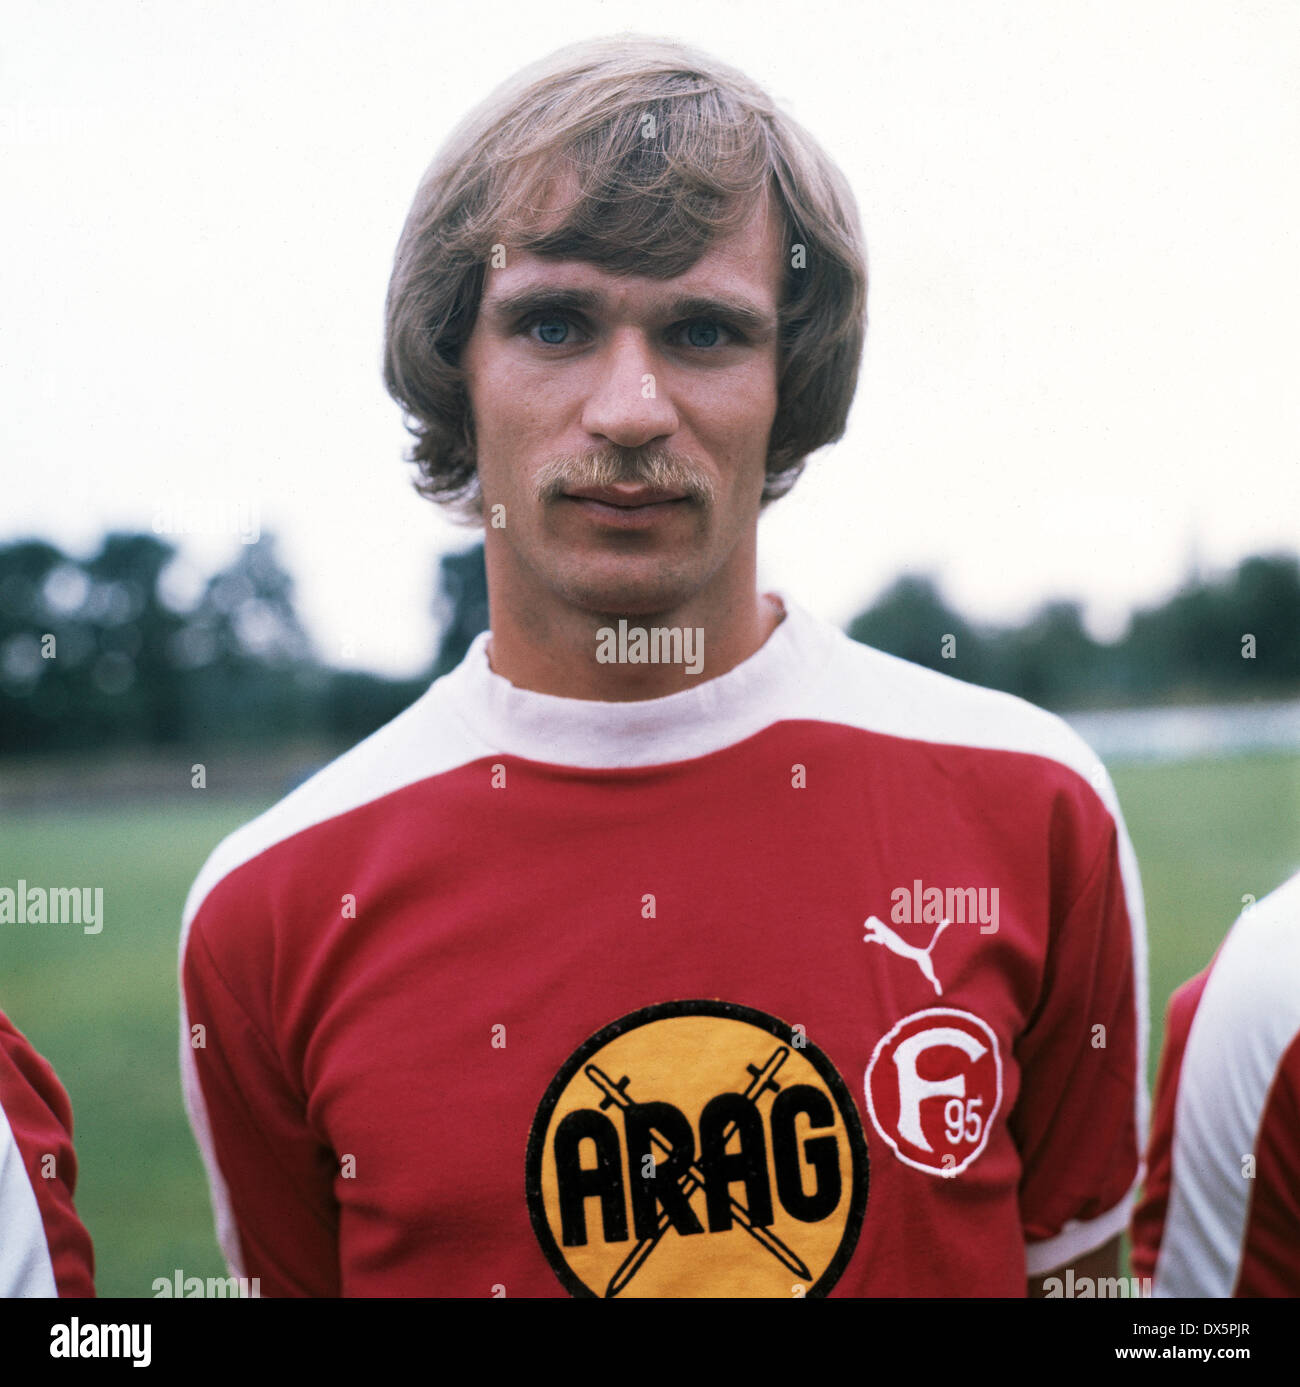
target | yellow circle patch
[{"x": 697, "y": 1148}]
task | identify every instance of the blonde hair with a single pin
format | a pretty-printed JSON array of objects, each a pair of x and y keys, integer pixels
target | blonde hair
[{"x": 670, "y": 149}]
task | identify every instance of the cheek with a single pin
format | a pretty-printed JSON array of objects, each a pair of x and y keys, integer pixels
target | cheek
[
  {"x": 511, "y": 430},
  {"x": 737, "y": 414},
  {"x": 515, "y": 405},
  {"x": 492, "y": 407}
]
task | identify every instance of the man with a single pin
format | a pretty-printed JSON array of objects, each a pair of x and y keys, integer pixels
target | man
[
  {"x": 673, "y": 944},
  {"x": 44, "y": 1247},
  {"x": 1220, "y": 1215}
]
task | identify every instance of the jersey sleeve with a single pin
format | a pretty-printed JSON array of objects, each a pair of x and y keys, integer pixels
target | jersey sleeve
[
  {"x": 271, "y": 1178},
  {"x": 1149, "y": 1217},
  {"x": 1220, "y": 1214},
  {"x": 1078, "y": 1120},
  {"x": 1270, "y": 1263},
  {"x": 45, "y": 1249}
]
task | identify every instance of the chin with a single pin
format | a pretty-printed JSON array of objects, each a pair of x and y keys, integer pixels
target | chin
[{"x": 629, "y": 593}]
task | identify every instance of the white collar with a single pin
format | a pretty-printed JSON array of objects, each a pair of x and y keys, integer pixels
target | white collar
[{"x": 591, "y": 733}]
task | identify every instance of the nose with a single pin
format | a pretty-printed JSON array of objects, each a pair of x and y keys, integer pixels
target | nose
[{"x": 627, "y": 404}]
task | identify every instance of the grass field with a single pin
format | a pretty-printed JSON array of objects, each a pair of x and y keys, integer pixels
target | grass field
[{"x": 102, "y": 1008}]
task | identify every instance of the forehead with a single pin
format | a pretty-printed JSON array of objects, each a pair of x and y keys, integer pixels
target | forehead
[{"x": 749, "y": 261}]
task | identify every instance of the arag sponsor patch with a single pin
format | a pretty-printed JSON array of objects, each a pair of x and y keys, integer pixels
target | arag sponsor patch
[{"x": 697, "y": 1148}]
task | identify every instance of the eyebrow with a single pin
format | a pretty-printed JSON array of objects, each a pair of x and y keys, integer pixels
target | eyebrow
[{"x": 745, "y": 316}]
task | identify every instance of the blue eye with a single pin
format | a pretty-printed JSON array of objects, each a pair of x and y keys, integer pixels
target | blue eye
[
  {"x": 702, "y": 334},
  {"x": 552, "y": 330}
]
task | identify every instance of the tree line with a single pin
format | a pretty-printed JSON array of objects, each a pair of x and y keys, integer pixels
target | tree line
[
  {"x": 1236, "y": 636},
  {"x": 103, "y": 652}
]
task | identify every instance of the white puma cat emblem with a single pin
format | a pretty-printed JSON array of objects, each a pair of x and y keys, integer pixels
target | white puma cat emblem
[{"x": 879, "y": 933}]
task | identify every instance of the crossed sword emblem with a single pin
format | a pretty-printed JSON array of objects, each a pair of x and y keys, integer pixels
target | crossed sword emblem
[{"x": 692, "y": 1179}]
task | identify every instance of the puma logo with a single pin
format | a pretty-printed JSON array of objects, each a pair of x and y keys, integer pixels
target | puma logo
[{"x": 879, "y": 933}]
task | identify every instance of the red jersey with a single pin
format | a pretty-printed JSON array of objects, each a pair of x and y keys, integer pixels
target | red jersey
[
  {"x": 44, "y": 1248},
  {"x": 1220, "y": 1215},
  {"x": 824, "y": 976}
]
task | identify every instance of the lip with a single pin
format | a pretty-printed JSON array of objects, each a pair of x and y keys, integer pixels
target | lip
[
  {"x": 626, "y": 500},
  {"x": 631, "y": 511}
]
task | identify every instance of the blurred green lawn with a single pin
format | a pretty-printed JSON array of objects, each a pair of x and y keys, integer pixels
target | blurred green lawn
[{"x": 103, "y": 1008}]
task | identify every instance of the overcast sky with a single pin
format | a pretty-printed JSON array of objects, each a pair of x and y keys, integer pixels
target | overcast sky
[{"x": 1083, "y": 241}]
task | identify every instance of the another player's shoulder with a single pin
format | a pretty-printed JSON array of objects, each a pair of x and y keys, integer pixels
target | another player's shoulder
[
  {"x": 1181, "y": 1010},
  {"x": 1254, "y": 981},
  {"x": 883, "y": 693},
  {"x": 23, "y": 1069},
  {"x": 1234, "y": 1027},
  {"x": 45, "y": 1250},
  {"x": 1229, "y": 1090},
  {"x": 1275, "y": 920},
  {"x": 427, "y": 739}
]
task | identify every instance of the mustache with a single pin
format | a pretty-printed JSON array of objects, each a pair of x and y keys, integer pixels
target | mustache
[{"x": 660, "y": 468}]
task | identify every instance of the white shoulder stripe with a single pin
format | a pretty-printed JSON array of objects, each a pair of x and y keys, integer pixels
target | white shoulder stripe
[
  {"x": 1247, "y": 1018},
  {"x": 877, "y": 692},
  {"x": 25, "y": 1266},
  {"x": 425, "y": 740}
]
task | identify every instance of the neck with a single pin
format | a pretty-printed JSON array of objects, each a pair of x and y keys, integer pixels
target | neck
[{"x": 615, "y": 658}]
